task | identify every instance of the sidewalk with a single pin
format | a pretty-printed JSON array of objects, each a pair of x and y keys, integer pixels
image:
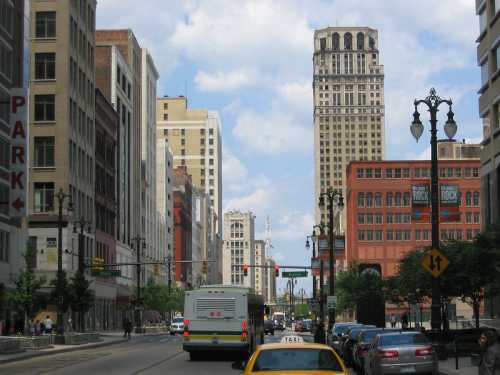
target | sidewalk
[
  {"x": 448, "y": 367},
  {"x": 108, "y": 338}
]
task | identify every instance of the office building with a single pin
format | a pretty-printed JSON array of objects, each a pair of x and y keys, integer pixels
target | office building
[
  {"x": 349, "y": 113},
  {"x": 269, "y": 281},
  {"x": 260, "y": 263},
  {"x": 238, "y": 248}
]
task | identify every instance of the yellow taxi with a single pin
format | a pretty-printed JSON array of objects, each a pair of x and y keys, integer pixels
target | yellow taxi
[{"x": 294, "y": 356}]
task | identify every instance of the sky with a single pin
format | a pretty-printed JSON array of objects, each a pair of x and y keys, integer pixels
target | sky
[{"x": 251, "y": 60}]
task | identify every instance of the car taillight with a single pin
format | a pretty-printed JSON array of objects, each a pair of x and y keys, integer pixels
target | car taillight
[
  {"x": 388, "y": 354},
  {"x": 424, "y": 351}
]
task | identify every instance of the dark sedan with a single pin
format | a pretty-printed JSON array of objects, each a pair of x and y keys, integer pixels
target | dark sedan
[{"x": 269, "y": 327}]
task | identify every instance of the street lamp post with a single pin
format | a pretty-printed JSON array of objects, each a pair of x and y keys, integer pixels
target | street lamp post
[
  {"x": 61, "y": 197},
  {"x": 140, "y": 244},
  {"x": 433, "y": 102},
  {"x": 335, "y": 199},
  {"x": 81, "y": 259},
  {"x": 313, "y": 239}
]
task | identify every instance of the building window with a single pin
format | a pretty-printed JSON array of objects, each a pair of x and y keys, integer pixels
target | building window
[
  {"x": 4, "y": 246},
  {"x": 44, "y": 107},
  {"x": 484, "y": 72},
  {"x": 406, "y": 199},
  {"x": 397, "y": 200},
  {"x": 378, "y": 199},
  {"x": 45, "y": 66},
  {"x": 165, "y": 117},
  {"x": 476, "y": 198},
  {"x": 44, "y": 197},
  {"x": 361, "y": 199},
  {"x": 4, "y": 199},
  {"x": 165, "y": 106},
  {"x": 44, "y": 151},
  {"x": 4, "y": 153},
  {"x": 5, "y": 61},
  {"x": 389, "y": 198},
  {"x": 477, "y": 218},
  {"x": 483, "y": 20},
  {"x": 45, "y": 25},
  {"x": 468, "y": 199},
  {"x": 361, "y": 218}
]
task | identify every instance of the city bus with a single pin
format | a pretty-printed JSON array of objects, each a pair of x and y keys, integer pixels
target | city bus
[{"x": 222, "y": 318}]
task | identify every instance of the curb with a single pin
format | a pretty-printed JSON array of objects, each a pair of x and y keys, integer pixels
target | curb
[{"x": 63, "y": 350}]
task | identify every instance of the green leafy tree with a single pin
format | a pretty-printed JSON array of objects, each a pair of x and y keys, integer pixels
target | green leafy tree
[
  {"x": 176, "y": 299},
  {"x": 301, "y": 310},
  {"x": 61, "y": 292},
  {"x": 156, "y": 297},
  {"x": 27, "y": 298},
  {"x": 82, "y": 297}
]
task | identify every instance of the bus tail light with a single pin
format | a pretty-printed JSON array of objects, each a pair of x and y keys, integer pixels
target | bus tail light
[
  {"x": 186, "y": 329},
  {"x": 244, "y": 328}
]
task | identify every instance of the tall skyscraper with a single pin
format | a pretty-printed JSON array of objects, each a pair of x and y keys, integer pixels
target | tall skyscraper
[
  {"x": 348, "y": 88},
  {"x": 238, "y": 248},
  {"x": 194, "y": 136}
]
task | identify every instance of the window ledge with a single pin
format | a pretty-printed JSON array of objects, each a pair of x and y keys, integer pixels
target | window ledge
[
  {"x": 53, "y": 168},
  {"x": 40, "y": 123},
  {"x": 481, "y": 36},
  {"x": 495, "y": 17},
  {"x": 42, "y": 80},
  {"x": 483, "y": 88},
  {"x": 44, "y": 39}
]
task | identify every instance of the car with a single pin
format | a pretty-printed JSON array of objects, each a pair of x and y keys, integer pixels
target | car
[
  {"x": 350, "y": 339},
  {"x": 177, "y": 325},
  {"x": 292, "y": 354},
  {"x": 335, "y": 337},
  {"x": 269, "y": 327},
  {"x": 360, "y": 348},
  {"x": 307, "y": 325},
  {"x": 401, "y": 353}
]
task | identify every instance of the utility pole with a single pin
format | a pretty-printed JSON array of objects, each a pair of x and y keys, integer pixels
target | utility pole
[
  {"x": 81, "y": 261},
  {"x": 139, "y": 246}
]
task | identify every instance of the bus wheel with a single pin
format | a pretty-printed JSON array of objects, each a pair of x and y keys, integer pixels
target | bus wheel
[{"x": 195, "y": 356}]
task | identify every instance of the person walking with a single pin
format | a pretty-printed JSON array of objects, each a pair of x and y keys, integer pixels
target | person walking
[
  {"x": 404, "y": 321},
  {"x": 48, "y": 324},
  {"x": 127, "y": 327},
  {"x": 490, "y": 353}
]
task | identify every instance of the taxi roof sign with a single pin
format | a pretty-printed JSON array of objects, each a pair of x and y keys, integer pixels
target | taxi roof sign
[
  {"x": 292, "y": 340},
  {"x": 435, "y": 262}
]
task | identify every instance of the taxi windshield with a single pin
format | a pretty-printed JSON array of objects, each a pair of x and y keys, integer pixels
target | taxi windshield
[{"x": 296, "y": 359}]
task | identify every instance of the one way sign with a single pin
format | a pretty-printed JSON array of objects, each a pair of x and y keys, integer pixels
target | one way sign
[{"x": 435, "y": 262}]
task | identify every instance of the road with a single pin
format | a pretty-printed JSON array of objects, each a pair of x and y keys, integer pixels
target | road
[{"x": 141, "y": 355}]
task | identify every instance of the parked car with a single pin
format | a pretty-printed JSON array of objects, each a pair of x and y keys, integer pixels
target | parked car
[
  {"x": 269, "y": 327},
  {"x": 350, "y": 339},
  {"x": 401, "y": 353},
  {"x": 335, "y": 337},
  {"x": 177, "y": 325},
  {"x": 307, "y": 325},
  {"x": 360, "y": 348},
  {"x": 279, "y": 325}
]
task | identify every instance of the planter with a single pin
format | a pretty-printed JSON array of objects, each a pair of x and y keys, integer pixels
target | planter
[
  {"x": 81, "y": 338},
  {"x": 36, "y": 342},
  {"x": 10, "y": 345}
]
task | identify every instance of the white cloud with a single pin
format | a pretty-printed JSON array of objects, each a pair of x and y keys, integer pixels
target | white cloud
[
  {"x": 294, "y": 226},
  {"x": 272, "y": 133},
  {"x": 224, "y": 81},
  {"x": 257, "y": 201}
]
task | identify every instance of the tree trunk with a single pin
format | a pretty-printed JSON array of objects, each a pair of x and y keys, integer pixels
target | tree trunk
[{"x": 475, "y": 308}]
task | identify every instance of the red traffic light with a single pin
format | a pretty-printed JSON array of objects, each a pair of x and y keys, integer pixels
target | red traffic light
[
  {"x": 245, "y": 270},
  {"x": 277, "y": 271}
]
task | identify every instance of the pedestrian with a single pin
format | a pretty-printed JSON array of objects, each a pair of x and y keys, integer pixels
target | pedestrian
[
  {"x": 32, "y": 327},
  {"x": 127, "y": 327},
  {"x": 48, "y": 324},
  {"x": 37, "y": 328},
  {"x": 393, "y": 321},
  {"x": 404, "y": 321},
  {"x": 490, "y": 353},
  {"x": 319, "y": 334}
]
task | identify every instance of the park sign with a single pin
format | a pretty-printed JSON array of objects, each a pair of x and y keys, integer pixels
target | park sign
[
  {"x": 435, "y": 262},
  {"x": 294, "y": 274}
]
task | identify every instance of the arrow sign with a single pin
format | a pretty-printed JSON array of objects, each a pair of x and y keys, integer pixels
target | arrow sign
[
  {"x": 435, "y": 262},
  {"x": 18, "y": 204}
]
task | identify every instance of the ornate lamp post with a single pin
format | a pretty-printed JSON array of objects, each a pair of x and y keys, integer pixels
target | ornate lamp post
[
  {"x": 313, "y": 239},
  {"x": 61, "y": 196},
  {"x": 82, "y": 223},
  {"x": 335, "y": 201},
  {"x": 450, "y": 128}
]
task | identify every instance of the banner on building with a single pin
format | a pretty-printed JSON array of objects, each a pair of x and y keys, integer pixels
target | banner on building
[
  {"x": 18, "y": 154},
  {"x": 449, "y": 204},
  {"x": 421, "y": 203}
]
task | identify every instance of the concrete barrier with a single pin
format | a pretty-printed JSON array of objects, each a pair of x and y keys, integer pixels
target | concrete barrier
[{"x": 10, "y": 345}]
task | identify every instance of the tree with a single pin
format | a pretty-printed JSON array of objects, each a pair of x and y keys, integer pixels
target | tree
[
  {"x": 156, "y": 297},
  {"x": 61, "y": 293},
  {"x": 26, "y": 298},
  {"x": 83, "y": 297}
]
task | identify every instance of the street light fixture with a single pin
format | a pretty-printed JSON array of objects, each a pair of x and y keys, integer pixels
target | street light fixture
[
  {"x": 140, "y": 244},
  {"x": 433, "y": 102},
  {"x": 61, "y": 197},
  {"x": 82, "y": 223},
  {"x": 335, "y": 200}
]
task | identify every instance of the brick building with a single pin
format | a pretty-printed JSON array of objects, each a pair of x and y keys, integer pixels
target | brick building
[
  {"x": 380, "y": 224},
  {"x": 182, "y": 225}
]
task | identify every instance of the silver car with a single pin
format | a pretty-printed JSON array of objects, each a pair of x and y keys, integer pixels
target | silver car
[{"x": 401, "y": 353}]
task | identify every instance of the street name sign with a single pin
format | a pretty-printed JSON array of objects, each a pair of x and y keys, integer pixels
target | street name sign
[
  {"x": 294, "y": 274},
  {"x": 435, "y": 262},
  {"x": 331, "y": 302}
]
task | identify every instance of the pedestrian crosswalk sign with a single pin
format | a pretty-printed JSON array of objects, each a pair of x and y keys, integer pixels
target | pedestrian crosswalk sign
[{"x": 435, "y": 262}]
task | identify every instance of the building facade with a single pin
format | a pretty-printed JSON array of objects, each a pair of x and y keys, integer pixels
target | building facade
[
  {"x": 238, "y": 248},
  {"x": 488, "y": 57},
  {"x": 183, "y": 231},
  {"x": 155, "y": 241},
  {"x": 194, "y": 136},
  {"x": 260, "y": 260},
  {"x": 14, "y": 75},
  {"x": 62, "y": 141},
  {"x": 349, "y": 112},
  {"x": 269, "y": 281},
  {"x": 383, "y": 223}
]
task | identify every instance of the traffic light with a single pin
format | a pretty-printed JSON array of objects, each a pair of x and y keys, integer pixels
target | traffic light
[
  {"x": 204, "y": 267},
  {"x": 245, "y": 270},
  {"x": 277, "y": 271}
]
